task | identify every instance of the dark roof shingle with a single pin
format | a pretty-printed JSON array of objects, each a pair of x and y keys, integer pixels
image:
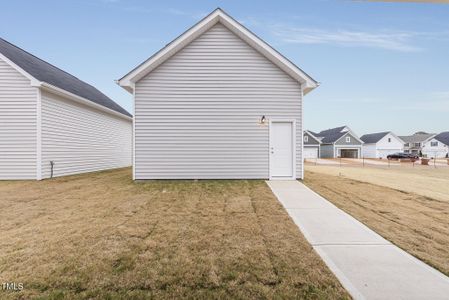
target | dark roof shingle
[
  {"x": 43, "y": 71},
  {"x": 443, "y": 137},
  {"x": 331, "y": 135},
  {"x": 373, "y": 138}
]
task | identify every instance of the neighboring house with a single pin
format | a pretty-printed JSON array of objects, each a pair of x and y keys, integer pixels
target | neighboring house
[
  {"x": 413, "y": 143},
  {"x": 436, "y": 146},
  {"x": 53, "y": 124},
  {"x": 381, "y": 144},
  {"x": 339, "y": 142},
  {"x": 311, "y": 145},
  {"x": 217, "y": 102}
]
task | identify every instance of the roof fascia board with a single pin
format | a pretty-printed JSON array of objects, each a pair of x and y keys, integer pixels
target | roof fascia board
[
  {"x": 34, "y": 81},
  {"x": 397, "y": 137},
  {"x": 352, "y": 134},
  {"x": 444, "y": 143},
  {"x": 314, "y": 137},
  {"x": 429, "y": 138},
  {"x": 58, "y": 91},
  {"x": 177, "y": 44},
  {"x": 307, "y": 83},
  {"x": 269, "y": 52}
]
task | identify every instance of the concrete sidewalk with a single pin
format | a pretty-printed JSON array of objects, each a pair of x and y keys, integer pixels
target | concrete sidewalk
[{"x": 367, "y": 265}]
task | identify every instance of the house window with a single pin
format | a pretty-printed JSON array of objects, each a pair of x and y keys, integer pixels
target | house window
[
  {"x": 306, "y": 138},
  {"x": 417, "y": 144},
  {"x": 407, "y": 145},
  {"x": 348, "y": 139},
  {"x": 389, "y": 140},
  {"x": 406, "y": 151},
  {"x": 433, "y": 144}
]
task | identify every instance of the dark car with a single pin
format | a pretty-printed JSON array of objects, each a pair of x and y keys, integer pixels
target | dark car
[{"x": 402, "y": 155}]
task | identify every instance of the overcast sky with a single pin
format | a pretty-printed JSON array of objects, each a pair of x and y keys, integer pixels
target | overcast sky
[{"x": 382, "y": 66}]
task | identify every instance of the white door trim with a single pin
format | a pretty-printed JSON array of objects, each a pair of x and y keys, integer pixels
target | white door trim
[{"x": 293, "y": 122}]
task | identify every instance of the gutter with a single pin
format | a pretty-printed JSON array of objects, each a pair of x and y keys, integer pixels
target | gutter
[{"x": 79, "y": 99}]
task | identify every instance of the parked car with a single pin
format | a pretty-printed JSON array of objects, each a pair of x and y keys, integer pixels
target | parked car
[{"x": 402, "y": 155}]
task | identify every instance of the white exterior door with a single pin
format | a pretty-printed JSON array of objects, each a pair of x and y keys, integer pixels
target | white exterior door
[{"x": 281, "y": 150}]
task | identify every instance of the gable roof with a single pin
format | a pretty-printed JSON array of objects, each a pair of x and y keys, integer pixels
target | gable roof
[
  {"x": 332, "y": 135},
  {"x": 42, "y": 71},
  {"x": 311, "y": 134},
  {"x": 416, "y": 138},
  {"x": 217, "y": 16},
  {"x": 443, "y": 137},
  {"x": 373, "y": 138}
]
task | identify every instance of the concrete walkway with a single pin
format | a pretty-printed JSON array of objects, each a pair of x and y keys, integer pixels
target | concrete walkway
[{"x": 367, "y": 265}]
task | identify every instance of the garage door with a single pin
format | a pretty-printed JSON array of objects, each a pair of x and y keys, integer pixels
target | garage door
[
  {"x": 349, "y": 153},
  {"x": 310, "y": 152}
]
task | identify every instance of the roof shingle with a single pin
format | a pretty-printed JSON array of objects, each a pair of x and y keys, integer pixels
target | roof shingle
[
  {"x": 443, "y": 137},
  {"x": 45, "y": 72},
  {"x": 331, "y": 135},
  {"x": 373, "y": 138}
]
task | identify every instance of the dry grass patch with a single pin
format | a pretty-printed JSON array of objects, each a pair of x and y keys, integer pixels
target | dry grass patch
[
  {"x": 426, "y": 181},
  {"x": 417, "y": 224},
  {"x": 101, "y": 235}
]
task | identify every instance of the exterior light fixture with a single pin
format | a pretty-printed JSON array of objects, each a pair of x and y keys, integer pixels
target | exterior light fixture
[{"x": 262, "y": 120}]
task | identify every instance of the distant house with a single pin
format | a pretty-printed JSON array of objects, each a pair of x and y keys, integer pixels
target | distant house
[
  {"x": 436, "y": 146},
  {"x": 413, "y": 143},
  {"x": 218, "y": 103},
  {"x": 381, "y": 144},
  {"x": 53, "y": 124},
  {"x": 311, "y": 145},
  {"x": 339, "y": 142}
]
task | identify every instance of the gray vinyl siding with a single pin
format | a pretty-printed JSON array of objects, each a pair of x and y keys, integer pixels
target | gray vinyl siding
[
  {"x": 311, "y": 140},
  {"x": 18, "y": 102},
  {"x": 197, "y": 114},
  {"x": 342, "y": 140},
  {"x": 327, "y": 151},
  {"x": 80, "y": 138}
]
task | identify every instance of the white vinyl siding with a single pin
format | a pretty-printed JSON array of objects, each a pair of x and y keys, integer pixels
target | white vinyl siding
[
  {"x": 438, "y": 151},
  {"x": 197, "y": 115},
  {"x": 18, "y": 102},
  {"x": 369, "y": 151},
  {"x": 311, "y": 152},
  {"x": 383, "y": 147},
  {"x": 80, "y": 139}
]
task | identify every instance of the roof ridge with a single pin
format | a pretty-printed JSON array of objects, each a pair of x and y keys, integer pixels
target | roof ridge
[{"x": 378, "y": 132}]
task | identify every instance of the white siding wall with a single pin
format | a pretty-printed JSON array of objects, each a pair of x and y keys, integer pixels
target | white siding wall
[
  {"x": 197, "y": 114},
  {"x": 383, "y": 148},
  {"x": 436, "y": 151},
  {"x": 80, "y": 139},
  {"x": 369, "y": 151},
  {"x": 18, "y": 102}
]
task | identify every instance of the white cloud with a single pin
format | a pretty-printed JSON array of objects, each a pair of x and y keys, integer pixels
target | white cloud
[
  {"x": 431, "y": 102},
  {"x": 427, "y": 106},
  {"x": 389, "y": 40}
]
